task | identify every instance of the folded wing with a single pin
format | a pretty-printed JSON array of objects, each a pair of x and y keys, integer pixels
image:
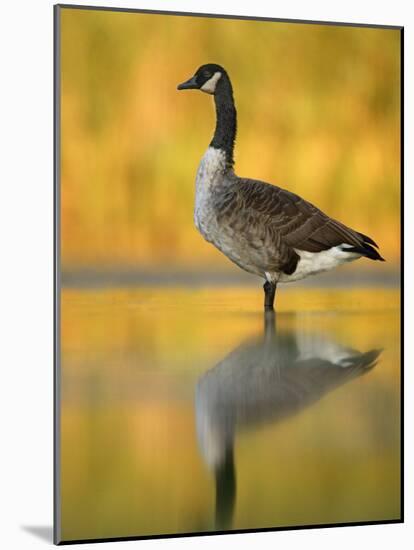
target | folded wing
[{"x": 297, "y": 224}]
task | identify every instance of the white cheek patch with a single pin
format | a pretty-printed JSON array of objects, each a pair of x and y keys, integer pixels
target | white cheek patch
[{"x": 210, "y": 86}]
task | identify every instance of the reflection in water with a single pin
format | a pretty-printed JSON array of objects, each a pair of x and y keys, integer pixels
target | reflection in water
[
  {"x": 130, "y": 460},
  {"x": 264, "y": 381}
]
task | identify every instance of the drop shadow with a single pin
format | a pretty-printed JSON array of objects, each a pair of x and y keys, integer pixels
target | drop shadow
[{"x": 44, "y": 532}]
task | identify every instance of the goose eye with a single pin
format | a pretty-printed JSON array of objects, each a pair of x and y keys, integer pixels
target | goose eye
[{"x": 207, "y": 74}]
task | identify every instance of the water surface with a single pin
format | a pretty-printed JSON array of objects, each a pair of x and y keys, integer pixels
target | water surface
[{"x": 189, "y": 410}]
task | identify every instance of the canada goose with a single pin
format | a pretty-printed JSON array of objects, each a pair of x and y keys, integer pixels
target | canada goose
[
  {"x": 262, "y": 228},
  {"x": 264, "y": 380}
]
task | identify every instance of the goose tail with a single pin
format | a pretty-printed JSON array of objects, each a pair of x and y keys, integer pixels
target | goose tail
[{"x": 367, "y": 248}]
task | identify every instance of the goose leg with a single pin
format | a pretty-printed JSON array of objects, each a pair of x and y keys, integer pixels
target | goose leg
[{"x": 270, "y": 291}]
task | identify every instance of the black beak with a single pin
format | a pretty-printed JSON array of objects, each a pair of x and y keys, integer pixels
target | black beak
[{"x": 190, "y": 84}]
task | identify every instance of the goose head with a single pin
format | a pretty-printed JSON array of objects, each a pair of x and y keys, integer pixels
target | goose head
[{"x": 206, "y": 79}]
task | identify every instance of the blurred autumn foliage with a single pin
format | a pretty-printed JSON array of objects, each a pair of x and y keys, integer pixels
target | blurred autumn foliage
[{"x": 319, "y": 114}]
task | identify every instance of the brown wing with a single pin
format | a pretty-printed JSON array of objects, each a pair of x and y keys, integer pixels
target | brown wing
[{"x": 293, "y": 223}]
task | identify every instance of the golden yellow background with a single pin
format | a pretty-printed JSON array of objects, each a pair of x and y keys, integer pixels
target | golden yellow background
[{"x": 318, "y": 114}]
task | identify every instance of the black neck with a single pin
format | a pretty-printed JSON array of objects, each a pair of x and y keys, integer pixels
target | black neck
[{"x": 226, "y": 121}]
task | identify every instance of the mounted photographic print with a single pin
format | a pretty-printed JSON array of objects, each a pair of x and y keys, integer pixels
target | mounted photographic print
[{"x": 227, "y": 277}]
